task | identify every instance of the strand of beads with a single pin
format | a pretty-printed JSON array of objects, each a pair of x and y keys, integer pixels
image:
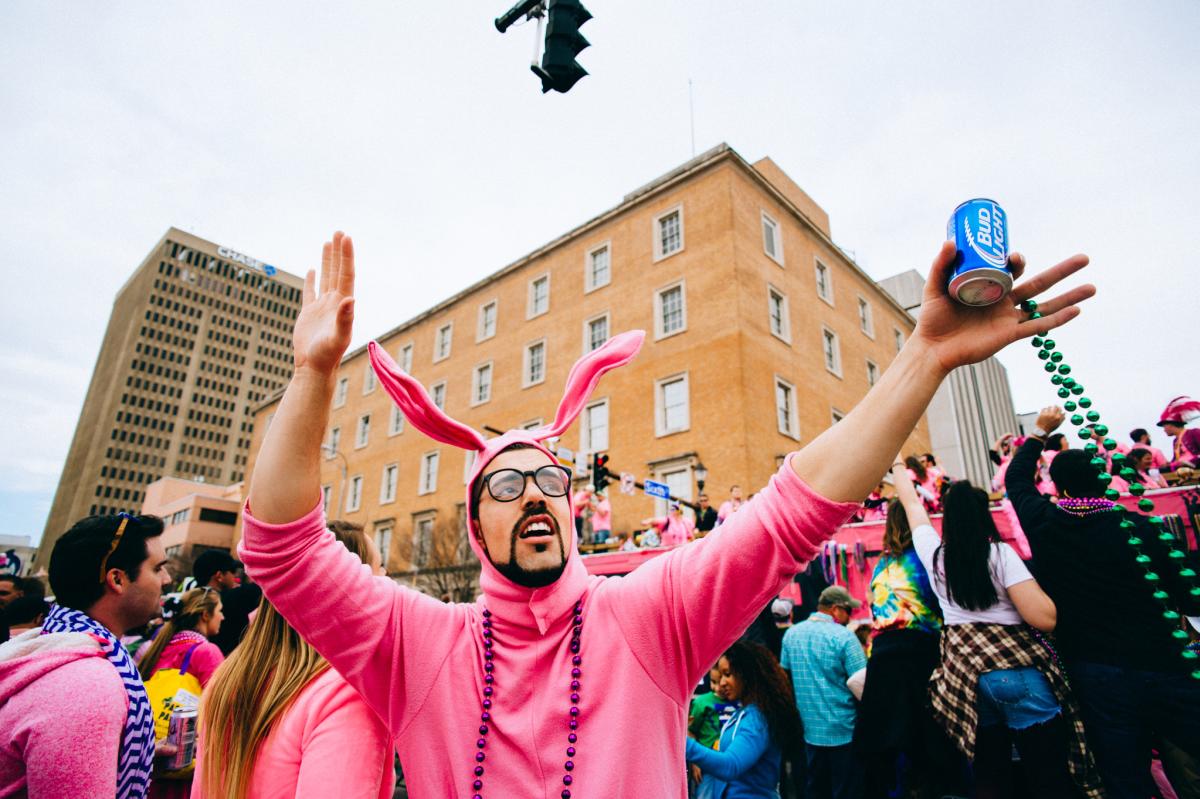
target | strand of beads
[{"x": 1099, "y": 445}]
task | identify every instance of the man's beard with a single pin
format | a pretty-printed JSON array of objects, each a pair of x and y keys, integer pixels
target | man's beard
[{"x": 537, "y": 578}]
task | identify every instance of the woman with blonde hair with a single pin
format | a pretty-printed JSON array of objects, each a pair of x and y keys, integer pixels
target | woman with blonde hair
[
  {"x": 181, "y": 647},
  {"x": 277, "y": 720}
]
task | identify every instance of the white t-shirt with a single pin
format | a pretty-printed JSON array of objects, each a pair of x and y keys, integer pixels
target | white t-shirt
[{"x": 1007, "y": 570}]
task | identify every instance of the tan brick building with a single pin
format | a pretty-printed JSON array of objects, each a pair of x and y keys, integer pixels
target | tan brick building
[
  {"x": 198, "y": 336},
  {"x": 197, "y": 516},
  {"x": 761, "y": 333}
]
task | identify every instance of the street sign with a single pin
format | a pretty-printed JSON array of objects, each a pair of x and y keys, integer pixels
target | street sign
[
  {"x": 627, "y": 484},
  {"x": 660, "y": 490},
  {"x": 583, "y": 466},
  {"x": 565, "y": 456}
]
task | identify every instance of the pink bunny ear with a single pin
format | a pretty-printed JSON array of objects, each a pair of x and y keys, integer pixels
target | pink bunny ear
[
  {"x": 417, "y": 407},
  {"x": 585, "y": 374}
]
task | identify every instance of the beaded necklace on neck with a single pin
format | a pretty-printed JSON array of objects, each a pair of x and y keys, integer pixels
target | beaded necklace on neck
[
  {"x": 1096, "y": 435},
  {"x": 489, "y": 691},
  {"x": 1086, "y": 506}
]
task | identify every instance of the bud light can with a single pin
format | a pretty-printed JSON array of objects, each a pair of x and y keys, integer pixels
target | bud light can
[
  {"x": 979, "y": 230},
  {"x": 182, "y": 733}
]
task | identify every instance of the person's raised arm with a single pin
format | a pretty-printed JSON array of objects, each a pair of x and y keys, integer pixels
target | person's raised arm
[
  {"x": 287, "y": 474},
  {"x": 914, "y": 508},
  {"x": 1020, "y": 478},
  {"x": 948, "y": 334}
]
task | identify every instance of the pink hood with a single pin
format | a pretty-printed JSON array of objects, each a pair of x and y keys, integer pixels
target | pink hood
[
  {"x": 31, "y": 656},
  {"x": 416, "y": 405}
]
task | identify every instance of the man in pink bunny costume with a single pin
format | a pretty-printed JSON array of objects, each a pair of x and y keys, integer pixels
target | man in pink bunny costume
[{"x": 554, "y": 683}]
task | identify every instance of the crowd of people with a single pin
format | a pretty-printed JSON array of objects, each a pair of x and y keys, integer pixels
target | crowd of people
[{"x": 556, "y": 683}]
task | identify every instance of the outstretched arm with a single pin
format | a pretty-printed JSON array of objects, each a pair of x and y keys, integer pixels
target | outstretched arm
[
  {"x": 914, "y": 508},
  {"x": 948, "y": 335}
]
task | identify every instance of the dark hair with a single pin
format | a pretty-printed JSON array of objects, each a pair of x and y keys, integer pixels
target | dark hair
[
  {"x": 1074, "y": 475},
  {"x": 34, "y": 587},
  {"x": 1137, "y": 433},
  {"x": 766, "y": 685},
  {"x": 212, "y": 562},
  {"x": 24, "y": 609},
  {"x": 929, "y": 457},
  {"x": 1054, "y": 442},
  {"x": 914, "y": 463},
  {"x": 477, "y": 486},
  {"x": 968, "y": 533},
  {"x": 897, "y": 534},
  {"x": 75, "y": 561},
  {"x": 1135, "y": 455},
  {"x": 12, "y": 578}
]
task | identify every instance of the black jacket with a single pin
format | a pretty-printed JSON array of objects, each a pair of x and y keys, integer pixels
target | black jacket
[{"x": 1106, "y": 611}]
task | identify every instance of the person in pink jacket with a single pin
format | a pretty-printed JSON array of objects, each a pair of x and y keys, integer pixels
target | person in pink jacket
[
  {"x": 675, "y": 528},
  {"x": 74, "y": 717},
  {"x": 277, "y": 721},
  {"x": 529, "y": 690}
]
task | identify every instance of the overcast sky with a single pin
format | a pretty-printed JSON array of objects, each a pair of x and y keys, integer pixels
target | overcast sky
[{"x": 420, "y": 130}]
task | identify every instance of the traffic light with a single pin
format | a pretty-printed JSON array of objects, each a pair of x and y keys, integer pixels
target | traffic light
[
  {"x": 600, "y": 475},
  {"x": 559, "y": 69}
]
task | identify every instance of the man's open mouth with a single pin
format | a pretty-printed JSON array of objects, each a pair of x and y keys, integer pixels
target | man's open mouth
[{"x": 539, "y": 526}]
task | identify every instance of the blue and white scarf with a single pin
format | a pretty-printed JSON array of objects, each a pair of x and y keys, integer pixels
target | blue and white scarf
[{"x": 136, "y": 757}]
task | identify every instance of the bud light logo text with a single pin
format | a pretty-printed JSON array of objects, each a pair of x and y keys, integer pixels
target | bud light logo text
[{"x": 984, "y": 228}]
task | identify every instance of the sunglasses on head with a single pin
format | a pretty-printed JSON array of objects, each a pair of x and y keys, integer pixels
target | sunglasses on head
[{"x": 125, "y": 520}]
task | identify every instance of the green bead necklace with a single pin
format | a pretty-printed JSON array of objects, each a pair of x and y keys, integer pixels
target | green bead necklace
[{"x": 1096, "y": 434}]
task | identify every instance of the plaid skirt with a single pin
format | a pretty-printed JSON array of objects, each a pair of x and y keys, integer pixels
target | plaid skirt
[{"x": 969, "y": 650}]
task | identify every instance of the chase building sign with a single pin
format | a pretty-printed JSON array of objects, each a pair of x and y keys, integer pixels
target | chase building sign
[{"x": 247, "y": 261}]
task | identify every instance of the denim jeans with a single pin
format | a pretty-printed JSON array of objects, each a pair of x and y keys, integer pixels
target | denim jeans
[
  {"x": 1124, "y": 710},
  {"x": 1016, "y": 698}
]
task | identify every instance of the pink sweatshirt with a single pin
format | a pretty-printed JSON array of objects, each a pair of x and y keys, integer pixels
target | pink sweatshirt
[
  {"x": 675, "y": 531},
  {"x": 647, "y": 639},
  {"x": 204, "y": 660},
  {"x": 62, "y": 714},
  {"x": 306, "y": 753}
]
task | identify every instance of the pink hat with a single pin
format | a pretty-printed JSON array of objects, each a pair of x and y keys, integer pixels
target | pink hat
[
  {"x": 1180, "y": 411},
  {"x": 424, "y": 415}
]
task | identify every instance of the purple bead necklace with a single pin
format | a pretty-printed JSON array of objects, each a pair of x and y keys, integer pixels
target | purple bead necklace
[{"x": 489, "y": 690}]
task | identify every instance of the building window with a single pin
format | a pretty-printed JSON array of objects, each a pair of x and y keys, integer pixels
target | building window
[
  {"x": 429, "y": 473},
  {"x": 534, "y": 369},
  {"x": 339, "y": 394},
  {"x": 468, "y": 462},
  {"x": 824, "y": 282},
  {"x": 422, "y": 538},
  {"x": 594, "y": 433},
  {"x": 326, "y": 493},
  {"x": 832, "y": 350},
  {"x": 354, "y": 498},
  {"x": 595, "y": 332},
  {"x": 872, "y": 373},
  {"x": 335, "y": 439},
  {"x": 406, "y": 358},
  {"x": 835, "y": 416},
  {"x": 777, "y": 314},
  {"x": 898, "y": 337},
  {"x": 383, "y": 541},
  {"x": 387, "y": 486},
  {"x": 539, "y": 296},
  {"x": 487, "y": 321},
  {"x": 668, "y": 233},
  {"x": 866, "y": 322},
  {"x": 772, "y": 240},
  {"x": 395, "y": 422},
  {"x": 437, "y": 393},
  {"x": 363, "y": 432},
  {"x": 671, "y": 413},
  {"x": 597, "y": 269},
  {"x": 785, "y": 408},
  {"x": 481, "y": 384},
  {"x": 369, "y": 380},
  {"x": 441, "y": 346},
  {"x": 670, "y": 311}
]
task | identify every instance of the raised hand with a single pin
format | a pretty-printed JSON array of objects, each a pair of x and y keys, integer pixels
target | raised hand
[
  {"x": 959, "y": 334},
  {"x": 322, "y": 331}
]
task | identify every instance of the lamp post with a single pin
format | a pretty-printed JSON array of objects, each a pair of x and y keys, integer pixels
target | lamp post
[
  {"x": 701, "y": 476},
  {"x": 345, "y": 467}
]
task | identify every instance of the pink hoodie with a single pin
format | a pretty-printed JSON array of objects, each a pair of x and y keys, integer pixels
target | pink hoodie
[
  {"x": 306, "y": 751},
  {"x": 62, "y": 714},
  {"x": 648, "y": 638}
]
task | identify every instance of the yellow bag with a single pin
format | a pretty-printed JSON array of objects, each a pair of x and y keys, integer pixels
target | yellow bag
[{"x": 162, "y": 689}]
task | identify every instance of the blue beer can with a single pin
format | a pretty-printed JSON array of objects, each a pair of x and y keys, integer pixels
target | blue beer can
[{"x": 979, "y": 230}]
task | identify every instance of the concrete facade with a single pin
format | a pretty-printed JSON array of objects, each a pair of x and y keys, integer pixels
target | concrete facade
[
  {"x": 196, "y": 515},
  {"x": 198, "y": 336},
  {"x": 970, "y": 410},
  {"x": 750, "y": 330}
]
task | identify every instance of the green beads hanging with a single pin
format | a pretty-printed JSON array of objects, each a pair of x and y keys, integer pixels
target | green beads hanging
[{"x": 1096, "y": 435}]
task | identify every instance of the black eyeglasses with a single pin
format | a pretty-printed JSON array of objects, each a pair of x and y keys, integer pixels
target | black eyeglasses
[{"x": 506, "y": 485}]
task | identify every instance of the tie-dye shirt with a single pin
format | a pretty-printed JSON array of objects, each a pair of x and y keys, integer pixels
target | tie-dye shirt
[{"x": 901, "y": 596}]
